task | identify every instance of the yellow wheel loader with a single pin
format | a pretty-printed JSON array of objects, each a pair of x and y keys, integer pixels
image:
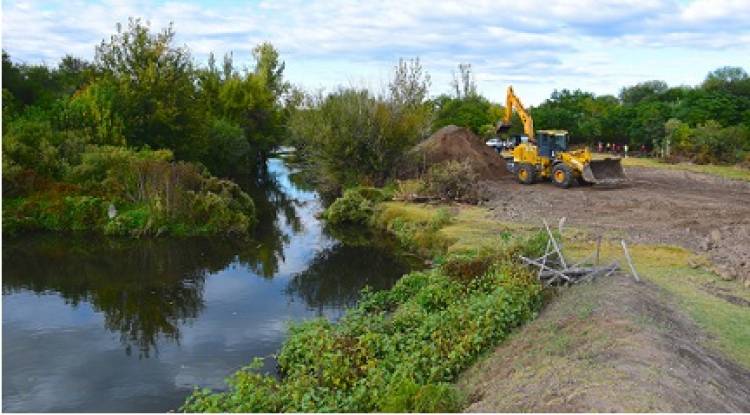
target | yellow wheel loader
[{"x": 544, "y": 155}]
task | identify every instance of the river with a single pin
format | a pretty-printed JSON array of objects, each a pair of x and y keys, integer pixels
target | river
[{"x": 116, "y": 325}]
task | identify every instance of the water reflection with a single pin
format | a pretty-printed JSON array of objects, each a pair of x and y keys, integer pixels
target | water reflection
[
  {"x": 97, "y": 324},
  {"x": 337, "y": 275},
  {"x": 145, "y": 289}
]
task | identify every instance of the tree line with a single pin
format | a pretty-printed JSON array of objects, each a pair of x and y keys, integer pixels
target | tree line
[
  {"x": 144, "y": 127},
  {"x": 141, "y": 129}
]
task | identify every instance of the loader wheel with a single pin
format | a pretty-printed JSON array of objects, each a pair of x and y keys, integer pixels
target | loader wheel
[
  {"x": 525, "y": 173},
  {"x": 562, "y": 176}
]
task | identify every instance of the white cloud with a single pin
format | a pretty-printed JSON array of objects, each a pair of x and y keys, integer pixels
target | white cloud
[{"x": 536, "y": 42}]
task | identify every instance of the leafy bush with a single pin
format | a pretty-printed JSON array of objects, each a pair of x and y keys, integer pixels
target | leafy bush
[
  {"x": 396, "y": 351},
  {"x": 30, "y": 150},
  {"x": 54, "y": 212},
  {"x": 707, "y": 142},
  {"x": 352, "y": 207},
  {"x": 452, "y": 180},
  {"x": 408, "y": 190},
  {"x": 151, "y": 196},
  {"x": 354, "y": 137}
]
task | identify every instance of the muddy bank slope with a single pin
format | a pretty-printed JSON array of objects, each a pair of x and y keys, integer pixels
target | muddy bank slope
[{"x": 613, "y": 345}]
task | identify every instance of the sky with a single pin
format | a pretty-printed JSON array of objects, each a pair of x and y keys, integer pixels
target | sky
[{"x": 535, "y": 45}]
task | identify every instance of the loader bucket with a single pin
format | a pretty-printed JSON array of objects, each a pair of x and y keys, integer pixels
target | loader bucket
[{"x": 608, "y": 171}]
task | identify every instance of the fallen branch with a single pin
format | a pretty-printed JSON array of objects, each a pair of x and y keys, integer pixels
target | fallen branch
[{"x": 553, "y": 268}]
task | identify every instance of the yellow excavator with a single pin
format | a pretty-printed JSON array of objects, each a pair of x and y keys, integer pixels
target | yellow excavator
[{"x": 545, "y": 154}]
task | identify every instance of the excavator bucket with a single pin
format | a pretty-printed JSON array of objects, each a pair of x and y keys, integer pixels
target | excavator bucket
[
  {"x": 608, "y": 171},
  {"x": 502, "y": 127}
]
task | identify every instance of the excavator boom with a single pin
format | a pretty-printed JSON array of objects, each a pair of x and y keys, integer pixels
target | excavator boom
[{"x": 512, "y": 101}]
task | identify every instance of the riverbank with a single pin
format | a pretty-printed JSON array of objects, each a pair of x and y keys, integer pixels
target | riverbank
[
  {"x": 400, "y": 349},
  {"x": 158, "y": 316},
  {"x": 405, "y": 348},
  {"x": 123, "y": 192},
  {"x": 684, "y": 326}
]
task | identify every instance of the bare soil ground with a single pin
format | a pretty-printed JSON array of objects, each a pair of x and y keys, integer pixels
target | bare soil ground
[
  {"x": 612, "y": 345},
  {"x": 700, "y": 212}
]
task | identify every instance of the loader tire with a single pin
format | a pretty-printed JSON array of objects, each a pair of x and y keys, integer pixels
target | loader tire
[
  {"x": 583, "y": 182},
  {"x": 562, "y": 175},
  {"x": 525, "y": 173}
]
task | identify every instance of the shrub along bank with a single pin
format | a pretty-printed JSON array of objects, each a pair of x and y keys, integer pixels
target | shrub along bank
[
  {"x": 399, "y": 349},
  {"x": 118, "y": 191}
]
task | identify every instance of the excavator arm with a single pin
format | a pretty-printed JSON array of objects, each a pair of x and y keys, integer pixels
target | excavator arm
[{"x": 512, "y": 101}]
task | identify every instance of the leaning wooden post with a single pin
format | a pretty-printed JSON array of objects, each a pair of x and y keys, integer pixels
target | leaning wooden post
[
  {"x": 630, "y": 261},
  {"x": 555, "y": 245},
  {"x": 598, "y": 246}
]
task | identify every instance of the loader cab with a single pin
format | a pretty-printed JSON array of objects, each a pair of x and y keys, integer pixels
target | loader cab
[{"x": 551, "y": 142}]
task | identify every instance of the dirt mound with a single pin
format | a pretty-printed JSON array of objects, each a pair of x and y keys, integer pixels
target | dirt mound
[{"x": 460, "y": 144}]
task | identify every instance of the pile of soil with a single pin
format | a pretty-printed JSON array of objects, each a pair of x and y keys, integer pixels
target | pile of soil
[{"x": 460, "y": 144}]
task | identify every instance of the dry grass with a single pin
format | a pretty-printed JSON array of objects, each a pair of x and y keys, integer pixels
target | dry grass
[{"x": 674, "y": 269}]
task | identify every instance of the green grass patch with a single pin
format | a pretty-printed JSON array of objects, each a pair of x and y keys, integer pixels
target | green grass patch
[
  {"x": 725, "y": 171},
  {"x": 435, "y": 230}
]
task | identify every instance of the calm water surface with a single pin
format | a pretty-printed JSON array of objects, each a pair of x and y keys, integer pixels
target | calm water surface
[{"x": 94, "y": 324}]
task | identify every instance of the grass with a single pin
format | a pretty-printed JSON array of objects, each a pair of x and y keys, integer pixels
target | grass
[
  {"x": 725, "y": 171},
  {"x": 670, "y": 268},
  {"x": 468, "y": 228},
  {"x": 472, "y": 228}
]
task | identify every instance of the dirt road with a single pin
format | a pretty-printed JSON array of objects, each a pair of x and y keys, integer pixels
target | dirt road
[{"x": 700, "y": 212}]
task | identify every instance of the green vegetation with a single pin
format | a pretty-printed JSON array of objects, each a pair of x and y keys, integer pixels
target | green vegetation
[
  {"x": 117, "y": 191},
  {"x": 707, "y": 124},
  {"x": 397, "y": 350},
  {"x": 351, "y": 137},
  {"x": 452, "y": 180},
  {"x": 65, "y": 128},
  {"x": 356, "y": 206}
]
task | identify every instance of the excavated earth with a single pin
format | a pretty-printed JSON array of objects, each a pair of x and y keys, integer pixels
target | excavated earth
[
  {"x": 453, "y": 143},
  {"x": 700, "y": 212}
]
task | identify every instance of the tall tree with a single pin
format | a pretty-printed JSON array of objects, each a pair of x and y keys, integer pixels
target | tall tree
[{"x": 155, "y": 88}]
